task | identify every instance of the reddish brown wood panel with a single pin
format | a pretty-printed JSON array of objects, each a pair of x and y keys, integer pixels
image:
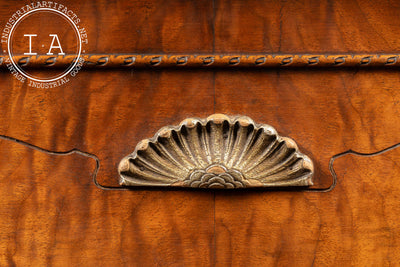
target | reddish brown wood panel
[
  {"x": 51, "y": 213},
  {"x": 326, "y": 112},
  {"x": 306, "y": 26},
  {"x": 356, "y": 224},
  {"x": 140, "y": 26}
]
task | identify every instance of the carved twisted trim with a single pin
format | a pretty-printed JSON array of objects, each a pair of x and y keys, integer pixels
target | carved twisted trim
[
  {"x": 217, "y": 152},
  {"x": 210, "y": 61}
]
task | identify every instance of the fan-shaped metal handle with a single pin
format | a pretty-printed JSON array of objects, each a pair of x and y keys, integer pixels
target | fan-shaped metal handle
[{"x": 221, "y": 151}]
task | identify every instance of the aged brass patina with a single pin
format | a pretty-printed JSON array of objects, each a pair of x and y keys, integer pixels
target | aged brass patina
[{"x": 217, "y": 152}]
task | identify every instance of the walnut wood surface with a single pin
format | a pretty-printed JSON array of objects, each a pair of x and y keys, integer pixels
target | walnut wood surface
[{"x": 51, "y": 213}]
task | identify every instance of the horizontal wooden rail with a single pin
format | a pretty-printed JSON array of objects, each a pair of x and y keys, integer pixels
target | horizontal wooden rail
[{"x": 208, "y": 60}]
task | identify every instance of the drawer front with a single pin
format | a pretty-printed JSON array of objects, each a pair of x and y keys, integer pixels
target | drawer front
[{"x": 322, "y": 73}]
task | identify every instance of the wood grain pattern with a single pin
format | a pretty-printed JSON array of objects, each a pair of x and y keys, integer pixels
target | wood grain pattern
[
  {"x": 354, "y": 225},
  {"x": 306, "y": 26},
  {"x": 326, "y": 112},
  {"x": 52, "y": 214}
]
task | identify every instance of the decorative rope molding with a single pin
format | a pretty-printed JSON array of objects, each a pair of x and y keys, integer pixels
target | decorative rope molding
[{"x": 209, "y": 60}]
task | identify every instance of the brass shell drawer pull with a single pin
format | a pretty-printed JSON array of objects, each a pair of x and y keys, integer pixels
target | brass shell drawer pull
[{"x": 222, "y": 152}]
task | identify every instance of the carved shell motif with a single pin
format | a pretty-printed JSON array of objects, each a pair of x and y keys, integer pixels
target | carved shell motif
[{"x": 217, "y": 152}]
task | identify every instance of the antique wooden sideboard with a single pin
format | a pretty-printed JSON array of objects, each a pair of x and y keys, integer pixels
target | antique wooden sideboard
[{"x": 324, "y": 73}]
